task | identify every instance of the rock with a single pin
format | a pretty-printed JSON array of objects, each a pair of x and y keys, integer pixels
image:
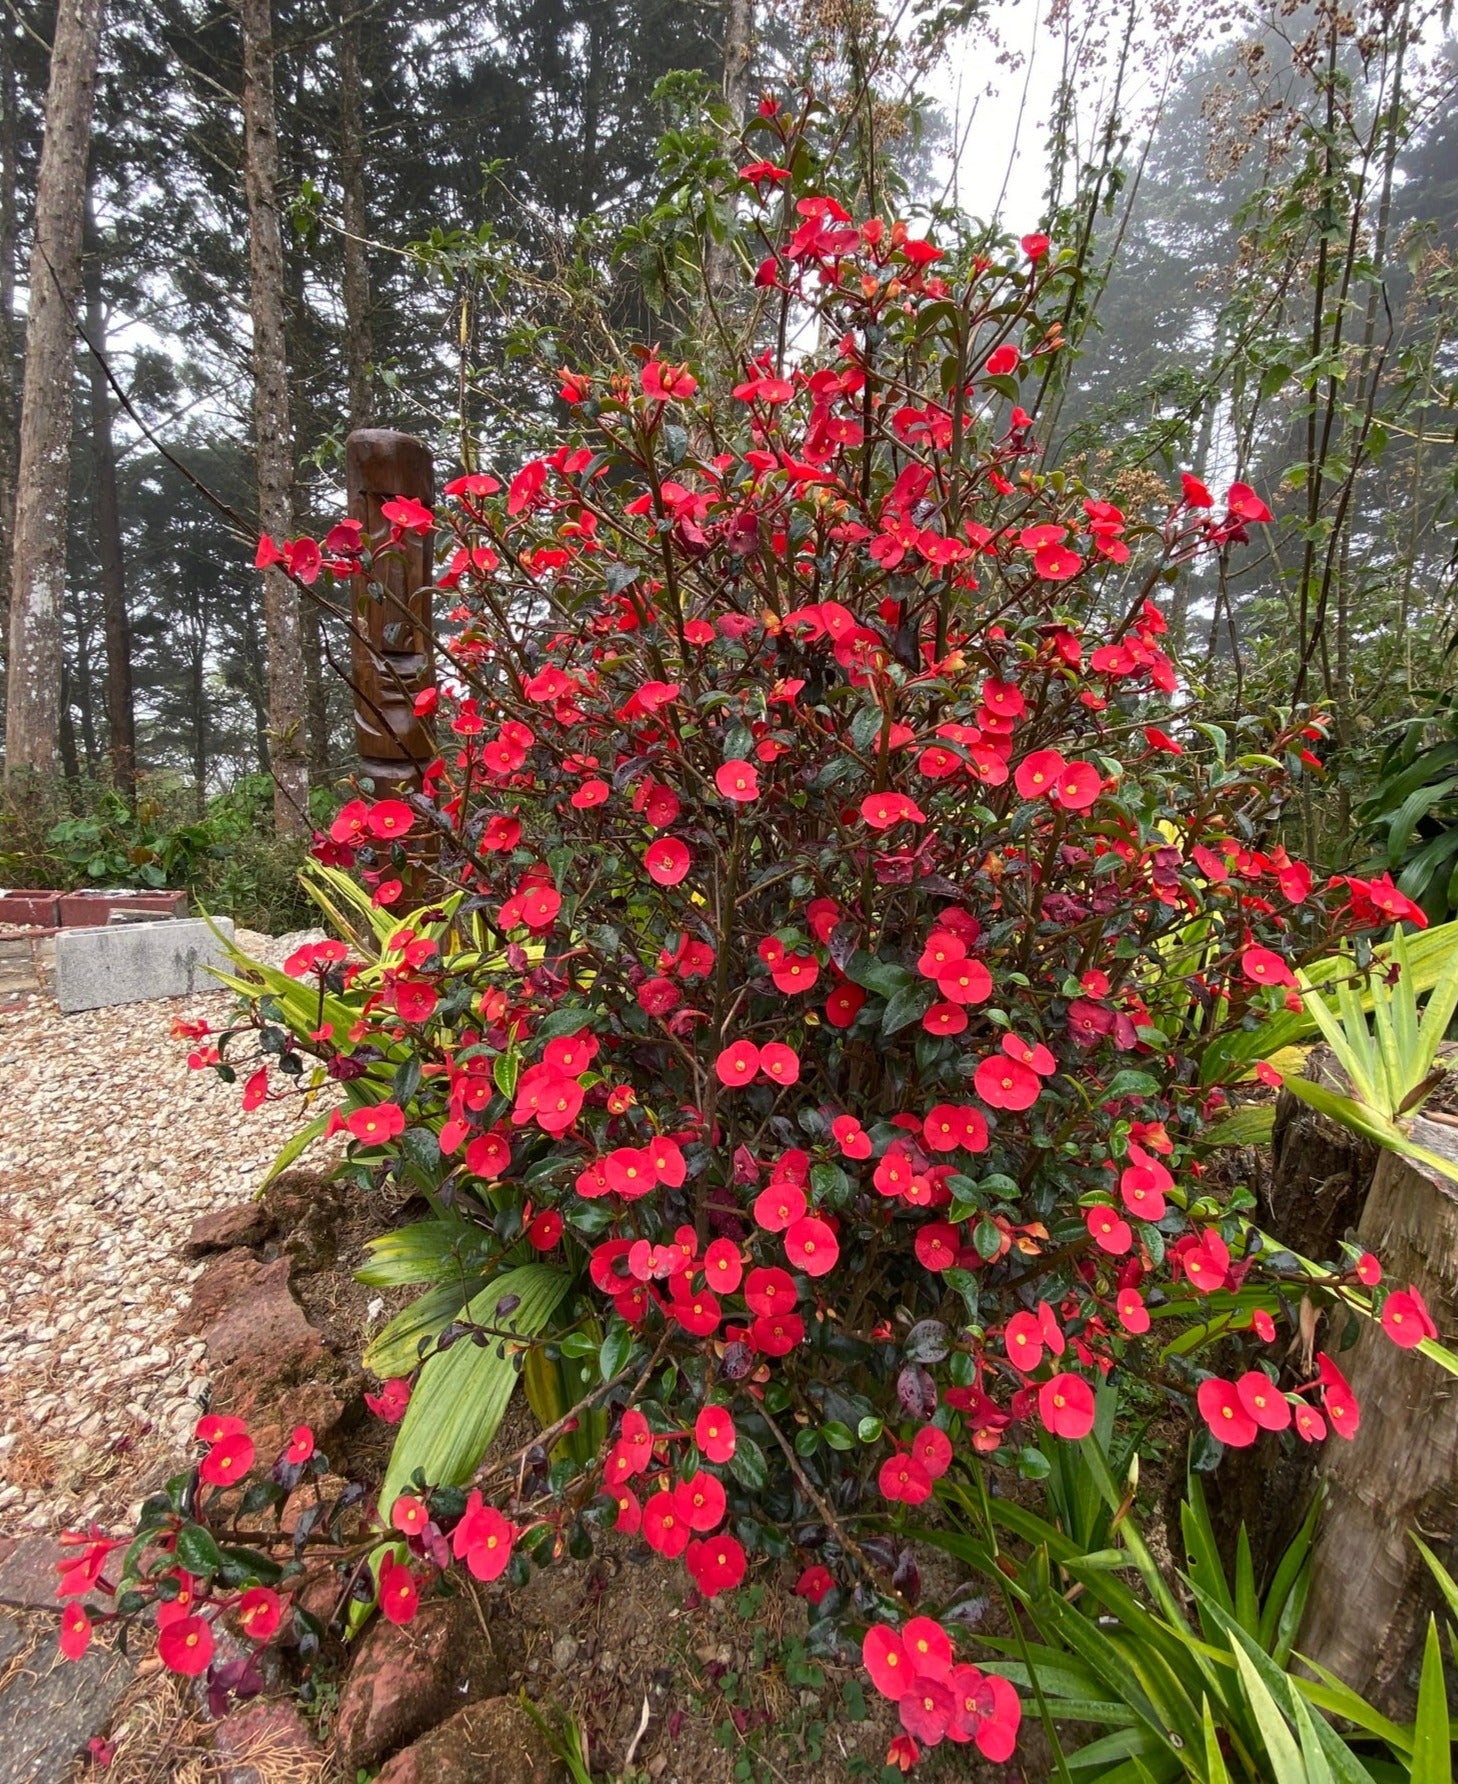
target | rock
[
  {"x": 262, "y": 1741},
  {"x": 494, "y": 1742},
  {"x": 98, "y": 968},
  {"x": 407, "y": 1680},
  {"x": 313, "y": 1244},
  {"x": 227, "y": 1279},
  {"x": 270, "y": 1367},
  {"x": 50, "y": 1707},
  {"x": 246, "y": 1225},
  {"x": 564, "y": 1651}
]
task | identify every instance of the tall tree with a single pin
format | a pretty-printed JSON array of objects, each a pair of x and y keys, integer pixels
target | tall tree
[
  {"x": 358, "y": 342},
  {"x": 38, "y": 566},
  {"x": 120, "y": 723},
  {"x": 272, "y": 433}
]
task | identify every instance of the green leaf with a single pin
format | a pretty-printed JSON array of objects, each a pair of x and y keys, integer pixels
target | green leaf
[
  {"x": 294, "y": 1146},
  {"x": 1432, "y": 1752},
  {"x": 461, "y": 1395},
  {"x": 748, "y": 1465},
  {"x": 197, "y": 1551},
  {"x": 615, "y": 1348},
  {"x": 907, "y": 1006},
  {"x": 395, "y": 1349}
]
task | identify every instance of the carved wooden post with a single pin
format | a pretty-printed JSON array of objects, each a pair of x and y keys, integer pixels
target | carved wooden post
[{"x": 391, "y": 648}]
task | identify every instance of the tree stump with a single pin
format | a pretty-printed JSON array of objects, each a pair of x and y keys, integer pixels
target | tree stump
[
  {"x": 1320, "y": 1176},
  {"x": 1371, "y": 1592}
]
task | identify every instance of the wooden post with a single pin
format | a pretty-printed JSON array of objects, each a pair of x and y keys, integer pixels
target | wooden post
[{"x": 391, "y": 649}]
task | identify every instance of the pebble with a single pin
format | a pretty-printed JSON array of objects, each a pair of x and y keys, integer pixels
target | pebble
[{"x": 109, "y": 1150}]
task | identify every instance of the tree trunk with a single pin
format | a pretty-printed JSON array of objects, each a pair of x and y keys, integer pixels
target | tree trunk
[
  {"x": 719, "y": 264},
  {"x": 1319, "y": 1180},
  {"x": 359, "y": 347},
  {"x": 9, "y": 364},
  {"x": 1371, "y": 1592},
  {"x": 38, "y": 566},
  {"x": 120, "y": 720},
  {"x": 273, "y": 437}
]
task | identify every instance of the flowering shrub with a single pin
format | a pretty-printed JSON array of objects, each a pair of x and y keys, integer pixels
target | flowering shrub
[{"x": 835, "y": 900}]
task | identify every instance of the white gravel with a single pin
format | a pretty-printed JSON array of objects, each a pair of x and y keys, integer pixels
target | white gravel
[{"x": 110, "y": 1148}]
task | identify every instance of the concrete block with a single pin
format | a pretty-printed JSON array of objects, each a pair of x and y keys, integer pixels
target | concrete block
[{"x": 96, "y": 968}]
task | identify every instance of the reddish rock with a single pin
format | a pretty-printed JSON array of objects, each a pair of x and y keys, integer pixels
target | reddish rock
[
  {"x": 249, "y": 1224},
  {"x": 227, "y": 1279},
  {"x": 406, "y": 1681},
  {"x": 494, "y": 1742},
  {"x": 263, "y": 1741},
  {"x": 269, "y": 1366}
]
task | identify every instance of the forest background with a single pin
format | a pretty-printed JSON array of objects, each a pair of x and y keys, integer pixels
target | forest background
[{"x": 1263, "y": 201}]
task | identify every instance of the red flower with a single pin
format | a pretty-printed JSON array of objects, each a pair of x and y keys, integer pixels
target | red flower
[
  {"x": 1066, "y": 1406},
  {"x": 1368, "y": 1269},
  {"x": 1225, "y": 1413},
  {"x": 300, "y": 1447},
  {"x": 944, "y": 1019},
  {"x": 1133, "y": 1314},
  {"x": 545, "y": 1230},
  {"x": 483, "y": 1539},
  {"x": 928, "y": 1648},
  {"x": 75, "y": 1632},
  {"x": 1056, "y": 563},
  {"x": 1108, "y": 1230},
  {"x": 1246, "y": 505},
  {"x": 666, "y": 861},
  {"x": 664, "y": 1526},
  {"x": 1005, "y": 1084},
  {"x": 813, "y": 1584},
  {"x": 843, "y": 1004},
  {"x": 723, "y": 1268},
  {"x": 260, "y": 1611},
  {"x": 1266, "y": 968},
  {"x": 936, "y": 1245},
  {"x": 737, "y": 1064},
  {"x": 409, "y": 1515},
  {"x": 779, "y": 1062},
  {"x": 1036, "y": 775},
  {"x": 255, "y": 1091},
  {"x": 1406, "y": 1320},
  {"x": 1002, "y": 360},
  {"x": 812, "y": 1246},
  {"x": 883, "y": 811},
  {"x": 377, "y": 1124},
  {"x": 1206, "y": 1262},
  {"x": 933, "y": 1449},
  {"x": 391, "y": 817},
  {"x": 701, "y": 1501},
  {"x": 769, "y": 1291},
  {"x": 1077, "y": 787},
  {"x": 1263, "y": 1400},
  {"x": 399, "y": 1593},
  {"x": 966, "y": 982},
  {"x": 885, "y": 1659},
  {"x": 738, "y": 780},
  {"x": 1035, "y": 246},
  {"x": 926, "y": 1710},
  {"x": 186, "y": 1646},
  {"x": 716, "y": 1565},
  {"x": 408, "y": 514},
  {"x": 228, "y": 1461},
  {"x": 390, "y": 1403},
  {"x": 714, "y": 1433}
]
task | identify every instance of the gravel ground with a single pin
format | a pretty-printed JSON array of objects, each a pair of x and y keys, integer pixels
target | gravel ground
[{"x": 110, "y": 1148}]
